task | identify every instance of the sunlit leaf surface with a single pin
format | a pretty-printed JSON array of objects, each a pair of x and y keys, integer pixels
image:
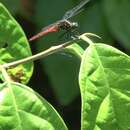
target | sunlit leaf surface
[
  {"x": 23, "y": 109},
  {"x": 14, "y": 46},
  {"x": 105, "y": 88}
]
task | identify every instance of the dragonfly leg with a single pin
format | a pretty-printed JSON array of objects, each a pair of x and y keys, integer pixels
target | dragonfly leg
[
  {"x": 74, "y": 33},
  {"x": 70, "y": 34}
]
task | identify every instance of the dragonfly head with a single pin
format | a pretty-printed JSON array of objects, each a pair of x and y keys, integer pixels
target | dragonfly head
[
  {"x": 74, "y": 24},
  {"x": 66, "y": 25}
]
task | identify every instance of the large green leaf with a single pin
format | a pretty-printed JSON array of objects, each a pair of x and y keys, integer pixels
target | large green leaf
[
  {"x": 14, "y": 46},
  {"x": 105, "y": 88},
  {"x": 23, "y": 109},
  {"x": 118, "y": 18}
]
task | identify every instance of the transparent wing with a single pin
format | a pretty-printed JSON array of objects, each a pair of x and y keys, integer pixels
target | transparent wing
[{"x": 75, "y": 10}]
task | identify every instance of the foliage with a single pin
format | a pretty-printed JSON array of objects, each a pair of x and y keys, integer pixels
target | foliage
[
  {"x": 104, "y": 76},
  {"x": 14, "y": 46},
  {"x": 21, "y": 107},
  {"x": 104, "y": 82}
]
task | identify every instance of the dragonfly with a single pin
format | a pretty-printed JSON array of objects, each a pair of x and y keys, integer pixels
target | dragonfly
[{"x": 64, "y": 23}]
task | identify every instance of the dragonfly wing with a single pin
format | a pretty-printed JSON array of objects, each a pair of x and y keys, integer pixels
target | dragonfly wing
[{"x": 75, "y": 10}]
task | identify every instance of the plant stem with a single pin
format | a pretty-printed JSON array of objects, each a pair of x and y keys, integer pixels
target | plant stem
[
  {"x": 5, "y": 74},
  {"x": 40, "y": 55}
]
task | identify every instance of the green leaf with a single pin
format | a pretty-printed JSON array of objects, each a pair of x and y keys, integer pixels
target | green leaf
[
  {"x": 104, "y": 82},
  {"x": 75, "y": 49},
  {"x": 23, "y": 109},
  {"x": 118, "y": 18},
  {"x": 14, "y": 46}
]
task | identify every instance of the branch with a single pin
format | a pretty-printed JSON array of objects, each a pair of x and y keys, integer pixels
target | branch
[{"x": 40, "y": 55}]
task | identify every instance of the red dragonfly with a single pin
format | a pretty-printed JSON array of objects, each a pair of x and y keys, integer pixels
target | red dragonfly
[{"x": 63, "y": 24}]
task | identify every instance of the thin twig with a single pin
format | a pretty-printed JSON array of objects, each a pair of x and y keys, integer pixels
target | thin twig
[
  {"x": 5, "y": 74},
  {"x": 40, "y": 55}
]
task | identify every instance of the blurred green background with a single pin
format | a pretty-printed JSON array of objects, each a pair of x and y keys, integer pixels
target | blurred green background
[{"x": 56, "y": 77}]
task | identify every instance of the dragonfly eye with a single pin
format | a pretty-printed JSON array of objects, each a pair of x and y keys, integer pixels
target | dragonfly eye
[{"x": 75, "y": 24}]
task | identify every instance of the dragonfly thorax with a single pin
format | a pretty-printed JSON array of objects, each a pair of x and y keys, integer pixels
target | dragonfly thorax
[{"x": 67, "y": 25}]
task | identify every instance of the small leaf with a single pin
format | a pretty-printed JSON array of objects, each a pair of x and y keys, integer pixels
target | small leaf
[
  {"x": 14, "y": 46},
  {"x": 104, "y": 81},
  {"x": 75, "y": 49},
  {"x": 23, "y": 109}
]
